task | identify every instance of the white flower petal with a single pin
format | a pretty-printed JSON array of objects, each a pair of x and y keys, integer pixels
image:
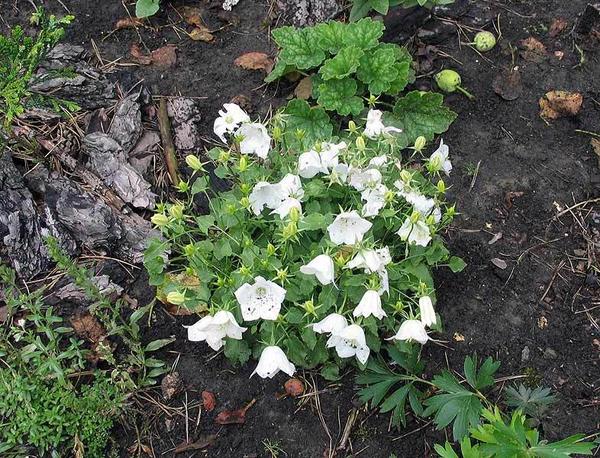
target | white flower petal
[
  {"x": 286, "y": 206},
  {"x": 271, "y": 361},
  {"x": 348, "y": 228},
  {"x": 309, "y": 164},
  {"x": 256, "y": 139},
  {"x": 427, "y": 312},
  {"x": 229, "y": 119},
  {"x": 332, "y": 323},
  {"x": 416, "y": 233},
  {"x": 266, "y": 195},
  {"x": 412, "y": 330},
  {"x": 439, "y": 161},
  {"x": 362, "y": 179},
  {"x": 370, "y": 304},
  {"x": 321, "y": 267},
  {"x": 349, "y": 342},
  {"x": 263, "y": 299}
]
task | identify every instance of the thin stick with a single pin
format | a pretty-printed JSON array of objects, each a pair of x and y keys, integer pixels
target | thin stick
[
  {"x": 167, "y": 140},
  {"x": 475, "y": 176}
]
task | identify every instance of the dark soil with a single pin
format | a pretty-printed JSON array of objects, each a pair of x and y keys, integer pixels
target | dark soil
[{"x": 528, "y": 315}]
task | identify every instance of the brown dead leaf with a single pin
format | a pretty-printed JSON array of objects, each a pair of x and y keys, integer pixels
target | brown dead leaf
[
  {"x": 558, "y": 25},
  {"x": 191, "y": 15},
  {"x": 87, "y": 327},
  {"x": 243, "y": 101},
  {"x": 171, "y": 385},
  {"x": 255, "y": 61},
  {"x": 533, "y": 50},
  {"x": 510, "y": 196},
  {"x": 138, "y": 55},
  {"x": 595, "y": 146},
  {"x": 138, "y": 447},
  {"x": 499, "y": 263},
  {"x": 294, "y": 387},
  {"x": 165, "y": 57},
  {"x": 507, "y": 84},
  {"x": 176, "y": 282},
  {"x": 458, "y": 337},
  {"x": 128, "y": 22},
  {"x": 201, "y": 33},
  {"x": 556, "y": 104},
  {"x": 304, "y": 88},
  {"x": 200, "y": 444},
  {"x": 209, "y": 401},
  {"x": 230, "y": 417}
]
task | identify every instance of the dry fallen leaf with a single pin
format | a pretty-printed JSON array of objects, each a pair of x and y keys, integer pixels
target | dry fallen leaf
[
  {"x": 128, "y": 22},
  {"x": 201, "y": 33},
  {"x": 458, "y": 337},
  {"x": 533, "y": 50},
  {"x": 202, "y": 443},
  {"x": 559, "y": 55},
  {"x": 557, "y": 26},
  {"x": 507, "y": 84},
  {"x": 230, "y": 417},
  {"x": 542, "y": 322},
  {"x": 499, "y": 263},
  {"x": 138, "y": 55},
  {"x": 304, "y": 88},
  {"x": 497, "y": 236},
  {"x": 510, "y": 196},
  {"x": 255, "y": 61},
  {"x": 191, "y": 15},
  {"x": 181, "y": 280},
  {"x": 87, "y": 327},
  {"x": 294, "y": 387},
  {"x": 209, "y": 401},
  {"x": 165, "y": 57},
  {"x": 556, "y": 104}
]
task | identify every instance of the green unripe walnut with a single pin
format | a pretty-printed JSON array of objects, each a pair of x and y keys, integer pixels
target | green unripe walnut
[
  {"x": 484, "y": 41},
  {"x": 448, "y": 80}
]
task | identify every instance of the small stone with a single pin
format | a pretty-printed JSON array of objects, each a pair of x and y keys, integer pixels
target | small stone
[
  {"x": 525, "y": 354},
  {"x": 549, "y": 353}
]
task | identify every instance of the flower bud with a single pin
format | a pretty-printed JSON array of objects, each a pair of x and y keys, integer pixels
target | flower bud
[
  {"x": 294, "y": 214},
  {"x": 189, "y": 250},
  {"x": 183, "y": 186},
  {"x": 398, "y": 306},
  {"x": 484, "y": 41},
  {"x": 245, "y": 271},
  {"x": 420, "y": 143},
  {"x": 372, "y": 100},
  {"x": 289, "y": 230},
  {"x": 430, "y": 220},
  {"x": 160, "y": 220},
  {"x": 194, "y": 163},
  {"x": 389, "y": 196},
  {"x": 243, "y": 166},
  {"x": 175, "y": 298},
  {"x": 451, "y": 211},
  {"x": 360, "y": 143},
  {"x": 271, "y": 250},
  {"x": 230, "y": 209},
  {"x": 406, "y": 176},
  {"x": 245, "y": 203},
  {"x": 282, "y": 275},
  {"x": 247, "y": 242},
  {"x": 309, "y": 307},
  {"x": 176, "y": 211},
  {"x": 277, "y": 133},
  {"x": 245, "y": 188},
  {"x": 441, "y": 187},
  {"x": 351, "y": 127},
  {"x": 224, "y": 156},
  {"x": 299, "y": 134},
  {"x": 416, "y": 216}
]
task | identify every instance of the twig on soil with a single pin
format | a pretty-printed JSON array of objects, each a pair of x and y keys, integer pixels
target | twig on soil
[
  {"x": 475, "y": 173},
  {"x": 580, "y": 204},
  {"x": 551, "y": 282},
  {"x": 317, "y": 401},
  {"x": 413, "y": 431},
  {"x": 352, "y": 416},
  {"x": 168, "y": 147}
]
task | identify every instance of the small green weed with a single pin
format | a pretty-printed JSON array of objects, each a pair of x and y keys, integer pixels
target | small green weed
[
  {"x": 361, "y": 8},
  {"x": 20, "y": 57}
]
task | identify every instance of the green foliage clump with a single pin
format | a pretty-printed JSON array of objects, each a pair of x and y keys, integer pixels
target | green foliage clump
[
  {"x": 20, "y": 56},
  {"x": 146, "y": 8},
  {"x": 350, "y": 66},
  {"x": 361, "y": 8}
]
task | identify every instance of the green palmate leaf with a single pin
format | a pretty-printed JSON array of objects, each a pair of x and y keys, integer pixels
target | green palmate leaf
[
  {"x": 363, "y": 34},
  {"x": 339, "y": 95},
  {"x": 314, "y": 123},
  {"x": 360, "y": 8},
  {"x": 145, "y": 8},
  {"x": 237, "y": 351},
  {"x": 343, "y": 64},
  {"x": 299, "y": 47},
  {"x": 281, "y": 68},
  {"x": 377, "y": 69},
  {"x": 420, "y": 114},
  {"x": 532, "y": 402},
  {"x": 330, "y": 36}
]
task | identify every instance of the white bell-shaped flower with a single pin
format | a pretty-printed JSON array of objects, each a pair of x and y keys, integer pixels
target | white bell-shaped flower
[
  {"x": 427, "y": 312},
  {"x": 213, "y": 329},
  {"x": 263, "y": 299},
  {"x": 438, "y": 161},
  {"x": 286, "y": 207},
  {"x": 375, "y": 127},
  {"x": 329, "y": 154},
  {"x": 384, "y": 281},
  {"x": 339, "y": 173},
  {"x": 322, "y": 268},
  {"x": 266, "y": 195},
  {"x": 348, "y": 228},
  {"x": 332, "y": 323},
  {"x": 350, "y": 342},
  {"x": 378, "y": 161},
  {"x": 412, "y": 330},
  {"x": 362, "y": 179},
  {"x": 255, "y": 139},
  {"x": 292, "y": 185},
  {"x": 271, "y": 361},
  {"x": 229, "y": 120},
  {"x": 374, "y": 199},
  {"x": 370, "y": 304},
  {"x": 309, "y": 164},
  {"x": 370, "y": 260},
  {"x": 415, "y": 233}
]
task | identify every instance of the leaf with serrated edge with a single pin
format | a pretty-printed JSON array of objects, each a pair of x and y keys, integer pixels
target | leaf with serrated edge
[
  {"x": 377, "y": 70},
  {"x": 419, "y": 114},
  {"x": 343, "y": 64},
  {"x": 298, "y": 47},
  {"x": 339, "y": 96},
  {"x": 364, "y": 34},
  {"x": 313, "y": 121},
  {"x": 330, "y": 36}
]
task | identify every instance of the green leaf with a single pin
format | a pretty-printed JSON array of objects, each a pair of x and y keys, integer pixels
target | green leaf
[
  {"x": 205, "y": 222},
  {"x": 330, "y": 36},
  {"x": 377, "y": 69},
  {"x": 343, "y": 64},
  {"x": 237, "y": 351},
  {"x": 360, "y": 8},
  {"x": 281, "y": 68},
  {"x": 158, "y": 344},
  {"x": 339, "y": 95},
  {"x": 456, "y": 264},
  {"x": 330, "y": 372},
  {"x": 145, "y": 8},
  {"x": 363, "y": 34},
  {"x": 222, "y": 249},
  {"x": 200, "y": 185},
  {"x": 419, "y": 114},
  {"x": 299, "y": 47},
  {"x": 314, "y": 122}
]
